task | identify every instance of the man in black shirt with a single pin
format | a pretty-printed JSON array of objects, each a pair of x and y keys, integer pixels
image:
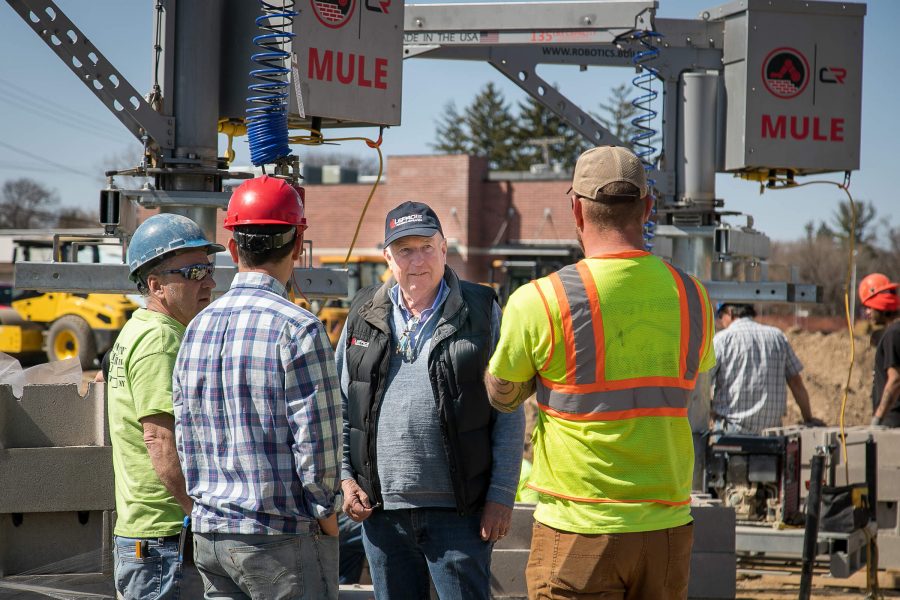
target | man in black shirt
[{"x": 879, "y": 296}]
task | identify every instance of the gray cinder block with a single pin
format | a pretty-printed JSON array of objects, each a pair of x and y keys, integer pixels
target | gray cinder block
[{"x": 56, "y": 479}]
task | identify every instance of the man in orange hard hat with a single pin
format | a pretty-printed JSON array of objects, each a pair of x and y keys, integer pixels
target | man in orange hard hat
[{"x": 878, "y": 295}]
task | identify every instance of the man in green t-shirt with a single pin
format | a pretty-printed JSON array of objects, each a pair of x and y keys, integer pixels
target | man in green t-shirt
[{"x": 168, "y": 259}]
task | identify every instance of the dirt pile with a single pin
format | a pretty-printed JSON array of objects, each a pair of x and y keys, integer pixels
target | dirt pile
[{"x": 826, "y": 359}]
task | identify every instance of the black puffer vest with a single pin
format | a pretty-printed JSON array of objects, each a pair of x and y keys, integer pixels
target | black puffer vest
[{"x": 459, "y": 354}]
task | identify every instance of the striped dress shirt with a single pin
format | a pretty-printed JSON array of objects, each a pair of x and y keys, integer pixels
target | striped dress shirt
[{"x": 258, "y": 413}]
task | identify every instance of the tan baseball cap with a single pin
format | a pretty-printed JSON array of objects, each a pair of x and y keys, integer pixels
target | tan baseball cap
[{"x": 607, "y": 164}]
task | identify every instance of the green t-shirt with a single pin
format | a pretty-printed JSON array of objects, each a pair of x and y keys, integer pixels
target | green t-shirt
[{"x": 140, "y": 385}]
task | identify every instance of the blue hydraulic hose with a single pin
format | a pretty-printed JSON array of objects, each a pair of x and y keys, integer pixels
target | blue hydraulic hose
[
  {"x": 267, "y": 123},
  {"x": 642, "y": 141}
]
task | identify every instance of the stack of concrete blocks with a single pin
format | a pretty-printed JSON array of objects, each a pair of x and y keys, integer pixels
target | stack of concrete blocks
[
  {"x": 713, "y": 563},
  {"x": 888, "y": 489},
  {"x": 56, "y": 481}
]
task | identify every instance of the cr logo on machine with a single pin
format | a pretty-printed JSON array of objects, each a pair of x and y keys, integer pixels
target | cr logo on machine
[{"x": 785, "y": 73}]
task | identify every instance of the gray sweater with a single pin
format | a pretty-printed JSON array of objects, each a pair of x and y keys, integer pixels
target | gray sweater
[{"x": 412, "y": 464}]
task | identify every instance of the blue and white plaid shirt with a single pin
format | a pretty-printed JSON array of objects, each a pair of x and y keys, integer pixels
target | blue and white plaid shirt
[
  {"x": 258, "y": 413},
  {"x": 753, "y": 364}
]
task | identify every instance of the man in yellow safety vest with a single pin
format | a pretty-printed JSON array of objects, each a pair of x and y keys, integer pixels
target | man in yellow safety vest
[{"x": 612, "y": 345}]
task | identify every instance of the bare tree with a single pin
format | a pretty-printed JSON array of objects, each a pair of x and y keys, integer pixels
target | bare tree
[
  {"x": 73, "y": 217},
  {"x": 26, "y": 204}
]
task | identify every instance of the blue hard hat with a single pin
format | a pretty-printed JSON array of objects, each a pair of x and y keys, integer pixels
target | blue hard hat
[{"x": 161, "y": 235}]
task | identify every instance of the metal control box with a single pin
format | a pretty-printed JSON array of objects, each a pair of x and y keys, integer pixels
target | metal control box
[
  {"x": 348, "y": 66},
  {"x": 793, "y": 85}
]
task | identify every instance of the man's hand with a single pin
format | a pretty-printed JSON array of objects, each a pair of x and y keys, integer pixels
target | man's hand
[
  {"x": 356, "y": 501},
  {"x": 495, "y": 520},
  {"x": 506, "y": 396},
  {"x": 814, "y": 422},
  {"x": 329, "y": 525}
]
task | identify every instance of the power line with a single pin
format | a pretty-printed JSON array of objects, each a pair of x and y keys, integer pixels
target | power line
[
  {"x": 45, "y": 160},
  {"x": 12, "y": 88},
  {"x": 61, "y": 119}
]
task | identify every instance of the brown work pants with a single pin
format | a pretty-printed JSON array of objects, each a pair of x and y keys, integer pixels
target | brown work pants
[{"x": 652, "y": 565}]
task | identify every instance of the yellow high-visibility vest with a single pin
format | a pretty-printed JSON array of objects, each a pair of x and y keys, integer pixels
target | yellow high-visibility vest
[{"x": 613, "y": 429}]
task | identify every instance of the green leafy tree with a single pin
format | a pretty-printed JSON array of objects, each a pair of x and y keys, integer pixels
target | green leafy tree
[{"x": 863, "y": 230}]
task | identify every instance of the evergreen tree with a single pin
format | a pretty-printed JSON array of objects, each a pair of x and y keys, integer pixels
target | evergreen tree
[
  {"x": 536, "y": 121},
  {"x": 618, "y": 113},
  {"x": 491, "y": 128},
  {"x": 452, "y": 137}
]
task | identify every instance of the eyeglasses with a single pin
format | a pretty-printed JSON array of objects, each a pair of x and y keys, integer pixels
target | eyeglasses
[
  {"x": 197, "y": 272},
  {"x": 404, "y": 344}
]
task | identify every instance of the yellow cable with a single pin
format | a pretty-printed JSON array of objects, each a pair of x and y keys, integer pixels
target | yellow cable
[
  {"x": 315, "y": 138},
  {"x": 846, "y": 187}
]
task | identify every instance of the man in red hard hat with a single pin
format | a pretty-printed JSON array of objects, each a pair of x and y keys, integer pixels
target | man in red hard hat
[
  {"x": 258, "y": 416},
  {"x": 878, "y": 295}
]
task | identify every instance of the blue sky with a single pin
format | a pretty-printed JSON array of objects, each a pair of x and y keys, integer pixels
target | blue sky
[{"x": 54, "y": 130}]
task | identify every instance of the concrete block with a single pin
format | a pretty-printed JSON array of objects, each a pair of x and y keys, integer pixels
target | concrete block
[
  {"x": 52, "y": 415},
  {"x": 887, "y": 518},
  {"x": 713, "y": 529},
  {"x": 888, "y": 551},
  {"x": 56, "y": 479},
  {"x": 508, "y": 573},
  {"x": 52, "y": 542},
  {"x": 713, "y": 576}
]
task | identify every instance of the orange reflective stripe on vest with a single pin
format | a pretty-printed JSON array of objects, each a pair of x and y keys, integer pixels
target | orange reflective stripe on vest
[{"x": 586, "y": 394}]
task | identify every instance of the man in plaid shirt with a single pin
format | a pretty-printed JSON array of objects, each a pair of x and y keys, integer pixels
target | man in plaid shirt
[
  {"x": 258, "y": 417},
  {"x": 755, "y": 365}
]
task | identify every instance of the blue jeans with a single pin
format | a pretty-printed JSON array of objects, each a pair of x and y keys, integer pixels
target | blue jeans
[
  {"x": 267, "y": 567},
  {"x": 154, "y": 576},
  {"x": 405, "y": 546},
  {"x": 352, "y": 550}
]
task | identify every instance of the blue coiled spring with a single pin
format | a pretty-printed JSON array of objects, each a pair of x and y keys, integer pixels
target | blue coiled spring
[
  {"x": 267, "y": 125},
  {"x": 642, "y": 141}
]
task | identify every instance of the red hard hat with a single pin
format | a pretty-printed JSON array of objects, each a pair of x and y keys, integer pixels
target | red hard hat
[
  {"x": 266, "y": 201},
  {"x": 878, "y": 292}
]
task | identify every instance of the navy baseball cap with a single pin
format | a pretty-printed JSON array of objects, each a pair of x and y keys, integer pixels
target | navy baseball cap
[{"x": 411, "y": 218}]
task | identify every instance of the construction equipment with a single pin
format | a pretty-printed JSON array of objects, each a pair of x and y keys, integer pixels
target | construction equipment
[
  {"x": 362, "y": 271},
  {"x": 62, "y": 325}
]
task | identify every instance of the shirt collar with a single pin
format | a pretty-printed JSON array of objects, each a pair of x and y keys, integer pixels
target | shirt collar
[
  {"x": 442, "y": 294},
  {"x": 257, "y": 280}
]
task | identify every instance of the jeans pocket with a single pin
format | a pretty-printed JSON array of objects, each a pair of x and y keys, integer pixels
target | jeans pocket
[
  {"x": 583, "y": 563},
  {"x": 138, "y": 578},
  {"x": 270, "y": 570}
]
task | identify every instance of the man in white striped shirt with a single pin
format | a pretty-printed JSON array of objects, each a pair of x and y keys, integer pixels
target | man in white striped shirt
[{"x": 754, "y": 366}]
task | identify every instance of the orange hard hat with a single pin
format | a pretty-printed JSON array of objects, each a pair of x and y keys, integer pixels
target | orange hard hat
[
  {"x": 266, "y": 201},
  {"x": 878, "y": 292}
]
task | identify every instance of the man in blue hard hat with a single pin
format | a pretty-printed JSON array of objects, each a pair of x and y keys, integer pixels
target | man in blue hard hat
[{"x": 169, "y": 260}]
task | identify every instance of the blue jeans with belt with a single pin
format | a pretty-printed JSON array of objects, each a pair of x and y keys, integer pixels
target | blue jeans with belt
[
  {"x": 406, "y": 546},
  {"x": 155, "y": 575}
]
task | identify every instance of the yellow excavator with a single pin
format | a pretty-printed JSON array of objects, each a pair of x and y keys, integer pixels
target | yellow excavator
[{"x": 61, "y": 325}]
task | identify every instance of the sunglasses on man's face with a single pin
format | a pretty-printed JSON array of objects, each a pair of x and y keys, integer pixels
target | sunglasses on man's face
[{"x": 197, "y": 272}]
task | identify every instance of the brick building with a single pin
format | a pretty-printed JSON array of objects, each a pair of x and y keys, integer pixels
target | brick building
[{"x": 485, "y": 216}]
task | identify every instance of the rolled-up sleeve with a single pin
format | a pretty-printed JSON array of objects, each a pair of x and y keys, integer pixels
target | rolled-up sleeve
[{"x": 313, "y": 399}]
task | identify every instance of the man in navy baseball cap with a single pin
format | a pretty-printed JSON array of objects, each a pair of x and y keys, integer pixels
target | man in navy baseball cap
[
  {"x": 411, "y": 218},
  {"x": 412, "y": 359}
]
